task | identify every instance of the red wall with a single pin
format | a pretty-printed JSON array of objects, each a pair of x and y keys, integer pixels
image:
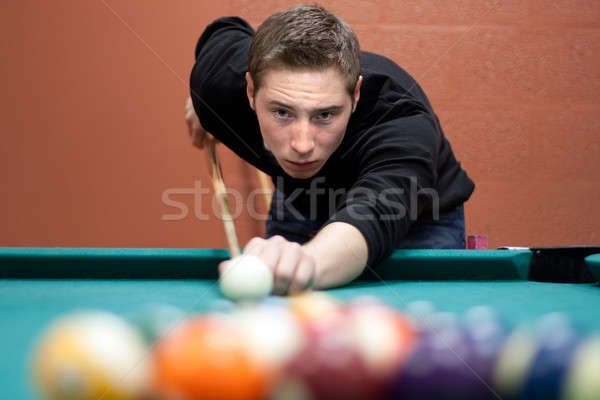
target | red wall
[{"x": 93, "y": 135}]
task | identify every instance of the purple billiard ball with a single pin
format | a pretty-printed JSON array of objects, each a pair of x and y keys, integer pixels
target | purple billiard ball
[
  {"x": 486, "y": 334},
  {"x": 443, "y": 365}
]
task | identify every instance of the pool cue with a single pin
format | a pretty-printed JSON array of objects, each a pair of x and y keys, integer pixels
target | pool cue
[
  {"x": 216, "y": 175},
  {"x": 266, "y": 188}
]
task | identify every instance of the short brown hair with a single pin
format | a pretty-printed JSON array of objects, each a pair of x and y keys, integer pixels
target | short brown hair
[{"x": 305, "y": 36}]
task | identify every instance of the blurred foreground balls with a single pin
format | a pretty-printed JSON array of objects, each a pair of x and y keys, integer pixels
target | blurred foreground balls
[
  {"x": 328, "y": 367},
  {"x": 88, "y": 356},
  {"x": 206, "y": 357}
]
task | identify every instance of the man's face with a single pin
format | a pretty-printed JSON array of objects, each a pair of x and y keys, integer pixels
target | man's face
[{"x": 302, "y": 116}]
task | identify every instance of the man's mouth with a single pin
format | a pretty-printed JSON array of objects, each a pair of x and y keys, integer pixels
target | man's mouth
[{"x": 302, "y": 165}]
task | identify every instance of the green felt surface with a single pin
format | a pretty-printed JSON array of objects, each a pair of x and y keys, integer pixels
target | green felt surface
[
  {"x": 26, "y": 306},
  {"x": 452, "y": 280},
  {"x": 593, "y": 264}
]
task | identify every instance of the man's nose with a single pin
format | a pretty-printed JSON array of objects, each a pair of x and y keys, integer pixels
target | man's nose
[{"x": 303, "y": 139}]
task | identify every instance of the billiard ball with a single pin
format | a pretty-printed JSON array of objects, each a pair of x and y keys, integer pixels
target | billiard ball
[
  {"x": 327, "y": 367},
  {"x": 91, "y": 355},
  {"x": 246, "y": 277},
  {"x": 486, "y": 334},
  {"x": 271, "y": 333},
  {"x": 557, "y": 342},
  {"x": 515, "y": 360},
  {"x": 440, "y": 365},
  {"x": 205, "y": 358},
  {"x": 318, "y": 314},
  {"x": 155, "y": 320},
  {"x": 419, "y": 309},
  {"x": 314, "y": 306},
  {"x": 582, "y": 381},
  {"x": 383, "y": 336},
  {"x": 419, "y": 313}
]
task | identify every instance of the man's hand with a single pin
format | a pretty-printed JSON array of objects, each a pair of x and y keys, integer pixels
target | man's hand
[
  {"x": 200, "y": 137},
  {"x": 292, "y": 266}
]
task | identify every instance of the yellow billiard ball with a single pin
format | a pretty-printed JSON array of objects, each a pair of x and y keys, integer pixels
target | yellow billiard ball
[
  {"x": 582, "y": 381},
  {"x": 90, "y": 355}
]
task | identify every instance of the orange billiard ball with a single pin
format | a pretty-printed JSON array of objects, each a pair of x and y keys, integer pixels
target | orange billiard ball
[{"x": 205, "y": 358}]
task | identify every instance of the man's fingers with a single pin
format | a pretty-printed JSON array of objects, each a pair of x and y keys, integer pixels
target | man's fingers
[
  {"x": 304, "y": 277},
  {"x": 293, "y": 269},
  {"x": 285, "y": 269},
  {"x": 271, "y": 250},
  {"x": 253, "y": 247},
  {"x": 198, "y": 140},
  {"x": 198, "y": 134}
]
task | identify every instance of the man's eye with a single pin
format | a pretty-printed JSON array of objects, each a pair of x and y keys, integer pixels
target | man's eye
[
  {"x": 282, "y": 114},
  {"x": 326, "y": 115}
]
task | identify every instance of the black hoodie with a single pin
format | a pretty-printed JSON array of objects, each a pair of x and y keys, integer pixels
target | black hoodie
[{"x": 394, "y": 162}]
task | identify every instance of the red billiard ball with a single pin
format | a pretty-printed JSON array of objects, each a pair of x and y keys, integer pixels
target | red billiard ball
[{"x": 328, "y": 367}]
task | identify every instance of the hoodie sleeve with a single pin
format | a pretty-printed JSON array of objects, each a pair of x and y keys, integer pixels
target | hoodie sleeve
[
  {"x": 218, "y": 87},
  {"x": 397, "y": 164}
]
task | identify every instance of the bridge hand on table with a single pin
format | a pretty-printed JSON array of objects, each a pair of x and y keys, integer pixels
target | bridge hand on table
[{"x": 291, "y": 268}]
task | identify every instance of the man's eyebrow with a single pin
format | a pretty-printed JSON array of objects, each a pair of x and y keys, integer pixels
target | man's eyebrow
[{"x": 332, "y": 108}]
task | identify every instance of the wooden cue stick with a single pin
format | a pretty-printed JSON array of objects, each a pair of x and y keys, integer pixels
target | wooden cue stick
[
  {"x": 266, "y": 188},
  {"x": 216, "y": 175}
]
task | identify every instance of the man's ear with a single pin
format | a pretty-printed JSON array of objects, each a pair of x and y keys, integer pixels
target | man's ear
[
  {"x": 357, "y": 92},
  {"x": 250, "y": 90}
]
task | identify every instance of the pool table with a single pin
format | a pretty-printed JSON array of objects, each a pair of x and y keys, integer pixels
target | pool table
[{"x": 37, "y": 284}]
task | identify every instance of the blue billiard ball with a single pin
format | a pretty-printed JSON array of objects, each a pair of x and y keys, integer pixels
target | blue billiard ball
[{"x": 557, "y": 342}]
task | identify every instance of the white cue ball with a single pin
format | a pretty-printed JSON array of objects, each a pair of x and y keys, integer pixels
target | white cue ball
[{"x": 246, "y": 277}]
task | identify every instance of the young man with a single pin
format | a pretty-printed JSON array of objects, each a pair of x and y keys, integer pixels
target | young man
[{"x": 358, "y": 158}]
